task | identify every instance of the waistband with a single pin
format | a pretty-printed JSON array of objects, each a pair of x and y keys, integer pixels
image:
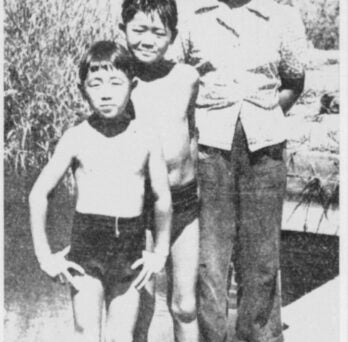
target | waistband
[
  {"x": 118, "y": 219},
  {"x": 185, "y": 193},
  {"x": 192, "y": 185}
]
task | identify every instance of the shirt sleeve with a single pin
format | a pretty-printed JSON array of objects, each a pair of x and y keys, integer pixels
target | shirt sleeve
[{"x": 292, "y": 50}]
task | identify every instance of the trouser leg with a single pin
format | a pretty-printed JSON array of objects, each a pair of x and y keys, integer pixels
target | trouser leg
[
  {"x": 261, "y": 187},
  {"x": 217, "y": 231}
]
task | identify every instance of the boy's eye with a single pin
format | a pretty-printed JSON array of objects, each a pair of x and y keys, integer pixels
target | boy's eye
[
  {"x": 94, "y": 84},
  {"x": 138, "y": 30},
  {"x": 116, "y": 81},
  {"x": 161, "y": 33}
]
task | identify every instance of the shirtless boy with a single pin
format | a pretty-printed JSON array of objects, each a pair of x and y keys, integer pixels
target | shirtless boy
[
  {"x": 110, "y": 154},
  {"x": 165, "y": 97}
]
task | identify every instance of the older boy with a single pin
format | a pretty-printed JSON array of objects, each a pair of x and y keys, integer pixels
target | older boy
[
  {"x": 250, "y": 56},
  {"x": 110, "y": 154},
  {"x": 165, "y": 97}
]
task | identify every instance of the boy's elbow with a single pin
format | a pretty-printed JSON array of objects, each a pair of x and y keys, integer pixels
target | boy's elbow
[
  {"x": 36, "y": 197},
  {"x": 32, "y": 199},
  {"x": 296, "y": 85}
]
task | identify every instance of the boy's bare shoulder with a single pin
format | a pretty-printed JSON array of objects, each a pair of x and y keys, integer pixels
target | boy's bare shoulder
[
  {"x": 147, "y": 132},
  {"x": 73, "y": 132},
  {"x": 73, "y": 135},
  {"x": 186, "y": 72}
]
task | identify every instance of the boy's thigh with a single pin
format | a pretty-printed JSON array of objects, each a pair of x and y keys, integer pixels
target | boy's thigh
[
  {"x": 184, "y": 261},
  {"x": 87, "y": 303},
  {"x": 122, "y": 313}
]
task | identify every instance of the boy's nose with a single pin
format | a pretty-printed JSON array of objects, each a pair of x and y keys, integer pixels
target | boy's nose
[
  {"x": 147, "y": 40},
  {"x": 107, "y": 93}
]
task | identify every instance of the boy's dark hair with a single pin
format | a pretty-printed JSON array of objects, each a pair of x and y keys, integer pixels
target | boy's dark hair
[
  {"x": 166, "y": 9},
  {"x": 104, "y": 54}
]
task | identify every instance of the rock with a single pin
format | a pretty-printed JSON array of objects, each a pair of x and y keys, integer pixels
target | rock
[{"x": 329, "y": 103}]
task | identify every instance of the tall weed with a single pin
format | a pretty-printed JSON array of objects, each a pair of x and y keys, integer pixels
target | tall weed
[{"x": 44, "y": 41}]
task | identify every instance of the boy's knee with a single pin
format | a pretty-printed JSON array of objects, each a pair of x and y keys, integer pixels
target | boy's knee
[
  {"x": 80, "y": 328},
  {"x": 85, "y": 334},
  {"x": 184, "y": 310}
]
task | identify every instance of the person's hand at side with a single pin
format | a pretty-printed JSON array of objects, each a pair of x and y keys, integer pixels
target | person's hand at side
[
  {"x": 56, "y": 266},
  {"x": 152, "y": 263}
]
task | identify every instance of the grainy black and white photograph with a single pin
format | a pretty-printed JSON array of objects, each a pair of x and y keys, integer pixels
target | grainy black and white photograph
[{"x": 171, "y": 170}]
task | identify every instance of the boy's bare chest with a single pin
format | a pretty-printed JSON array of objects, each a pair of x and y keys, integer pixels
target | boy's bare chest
[
  {"x": 163, "y": 102},
  {"x": 125, "y": 153}
]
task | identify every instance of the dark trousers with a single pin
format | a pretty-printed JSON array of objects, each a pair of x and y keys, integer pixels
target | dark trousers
[{"x": 242, "y": 197}]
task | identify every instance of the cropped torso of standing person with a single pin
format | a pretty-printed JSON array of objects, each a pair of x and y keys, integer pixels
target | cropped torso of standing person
[
  {"x": 249, "y": 55},
  {"x": 246, "y": 55}
]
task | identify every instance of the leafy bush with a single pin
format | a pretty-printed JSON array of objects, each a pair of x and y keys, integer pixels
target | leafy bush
[
  {"x": 321, "y": 19},
  {"x": 44, "y": 41}
]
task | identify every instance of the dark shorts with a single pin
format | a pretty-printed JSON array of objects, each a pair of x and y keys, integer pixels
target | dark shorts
[
  {"x": 107, "y": 250},
  {"x": 185, "y": 208}
]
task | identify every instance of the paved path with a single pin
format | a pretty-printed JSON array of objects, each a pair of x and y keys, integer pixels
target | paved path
[{"x": 314, "y": 317}]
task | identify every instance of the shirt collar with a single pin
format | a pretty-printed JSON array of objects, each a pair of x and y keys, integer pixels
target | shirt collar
[
  {"x": 258, "y": 7},
  {"x": 206, "y": 6}
]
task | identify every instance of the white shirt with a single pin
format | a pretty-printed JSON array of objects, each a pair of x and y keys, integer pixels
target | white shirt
[{"x": 242, "y": 54}]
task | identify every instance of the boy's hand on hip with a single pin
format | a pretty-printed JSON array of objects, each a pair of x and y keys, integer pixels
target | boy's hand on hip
[
  {"x": 152, "y": 263},
  {"x": 56, "y": 266}
]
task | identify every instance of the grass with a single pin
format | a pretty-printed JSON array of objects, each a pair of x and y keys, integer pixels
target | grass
[{"x": 44, "y": 41}]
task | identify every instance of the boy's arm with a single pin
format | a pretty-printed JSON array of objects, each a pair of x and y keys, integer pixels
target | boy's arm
[
  {"x": 163, "y": 204},
  {"x": 154, "y": 262},
  {"x": 194, "y": 134},
  {"x": 52, "y": 264},
  {"x": 194, "y": 87}
]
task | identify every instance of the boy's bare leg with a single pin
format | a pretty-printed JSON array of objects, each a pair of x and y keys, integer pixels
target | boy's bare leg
[
  {"x": 88, "y": 308},
  {"x": 149, "y": 246},
  {"x": 122, "y": 316},
  {"x": 147, "y": 301},
  {"x": 182, "y": 282}
]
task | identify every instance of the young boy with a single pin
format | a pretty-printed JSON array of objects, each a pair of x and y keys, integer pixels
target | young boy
[
  {"x": 165, "y": 97},
  {"x": 110, "y": 153}
]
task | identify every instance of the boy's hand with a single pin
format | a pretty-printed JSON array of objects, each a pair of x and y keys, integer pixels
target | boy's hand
[
  {"x": 56, "y": 266},
  {"x": 152, "y": 263}
]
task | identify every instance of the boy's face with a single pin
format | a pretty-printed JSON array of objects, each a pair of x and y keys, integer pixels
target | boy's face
[
  {"x": 147, "y": 37},
  {"x": 107, "y": 91}
]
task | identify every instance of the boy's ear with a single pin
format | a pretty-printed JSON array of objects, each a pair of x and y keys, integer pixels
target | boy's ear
[
  {"x": 82, "y": 90},
  {"x": 134, "y": 83},
  {"x": 122, "y": 27},
  {"x": 174, "y": 35}
]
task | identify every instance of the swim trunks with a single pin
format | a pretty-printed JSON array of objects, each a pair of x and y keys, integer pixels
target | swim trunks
[
  {"x": 106, "y": 247},
  {"x": 185, "y": 203}
]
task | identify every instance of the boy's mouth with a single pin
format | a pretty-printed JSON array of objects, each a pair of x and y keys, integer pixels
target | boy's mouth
[
  {"x": 107, "y": 108},
  {"x": 147, "y": 53}
]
